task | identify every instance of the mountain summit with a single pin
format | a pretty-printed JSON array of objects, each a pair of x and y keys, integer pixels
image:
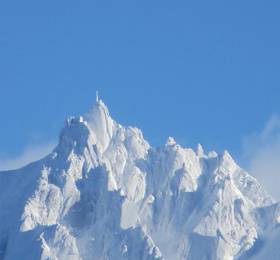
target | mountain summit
[{"x": 105, "y": 193}]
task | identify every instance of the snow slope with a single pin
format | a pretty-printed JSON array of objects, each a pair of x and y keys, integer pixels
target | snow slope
[{"x": 105, "y": 193}]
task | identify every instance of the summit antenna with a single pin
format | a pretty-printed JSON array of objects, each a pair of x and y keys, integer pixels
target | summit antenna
[{"x": 97, "y": 97}]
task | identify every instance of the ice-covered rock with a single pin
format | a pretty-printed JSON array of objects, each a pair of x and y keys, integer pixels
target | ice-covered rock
[{"x": 104, "y": 193}]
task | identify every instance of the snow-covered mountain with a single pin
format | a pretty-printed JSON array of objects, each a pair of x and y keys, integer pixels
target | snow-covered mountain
[{"x": 105, "y": 193}]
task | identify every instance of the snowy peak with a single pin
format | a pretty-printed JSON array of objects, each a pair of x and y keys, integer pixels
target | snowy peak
[
  {"x": 170, "y": 141},
  {"x": 105, "y": 193},
  {"x": 200, "y": 151},
  {"x": 101, "y": 124},
  {"x": 94, "y": 128}
]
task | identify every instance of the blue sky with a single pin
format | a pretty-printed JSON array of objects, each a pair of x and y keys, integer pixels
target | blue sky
[{"x": 201, "y": 71}]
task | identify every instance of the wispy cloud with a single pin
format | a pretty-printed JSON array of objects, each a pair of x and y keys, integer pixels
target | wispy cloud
[
  {"x": 30, "y": 154},
  {"x": 262, "y": 150}
]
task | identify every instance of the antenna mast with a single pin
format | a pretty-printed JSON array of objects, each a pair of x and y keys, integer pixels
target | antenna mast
[{"x": 97, "y": 97}]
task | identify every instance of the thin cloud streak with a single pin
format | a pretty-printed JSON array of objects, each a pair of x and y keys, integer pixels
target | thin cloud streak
[
  {"x": 30, "y": 154},
  {"x": 262, "y": 151}
]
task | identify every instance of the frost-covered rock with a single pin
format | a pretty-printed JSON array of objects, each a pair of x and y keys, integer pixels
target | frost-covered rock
[{"x": 104, "y": 193}]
